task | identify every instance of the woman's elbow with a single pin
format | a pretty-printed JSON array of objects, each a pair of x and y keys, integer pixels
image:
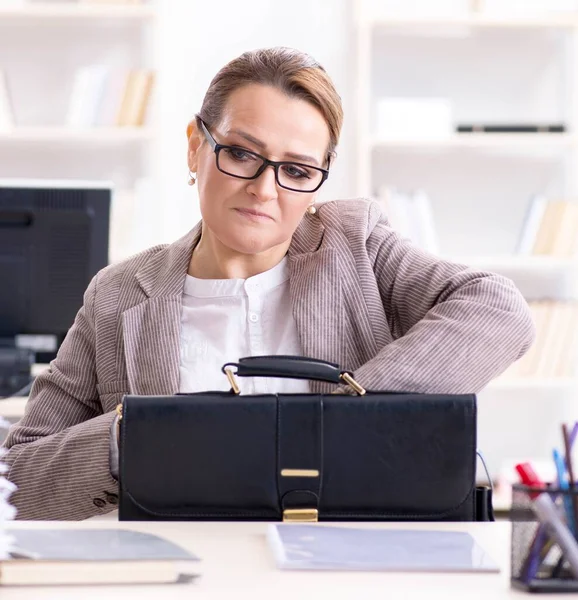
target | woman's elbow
[{"x": 522, "y": 329}]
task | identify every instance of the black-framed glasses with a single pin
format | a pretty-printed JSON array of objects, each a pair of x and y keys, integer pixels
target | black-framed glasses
[{"x": 244, "y": 164}]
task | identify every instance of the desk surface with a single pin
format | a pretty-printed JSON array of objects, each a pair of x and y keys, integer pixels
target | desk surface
[{"x": 236, "y": 563}]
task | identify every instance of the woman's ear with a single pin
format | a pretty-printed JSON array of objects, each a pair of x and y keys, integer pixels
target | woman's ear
[{"x": 194, "y": 139}]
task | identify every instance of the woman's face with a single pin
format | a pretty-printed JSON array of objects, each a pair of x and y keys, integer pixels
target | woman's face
[{"x": 253, "y": 216}]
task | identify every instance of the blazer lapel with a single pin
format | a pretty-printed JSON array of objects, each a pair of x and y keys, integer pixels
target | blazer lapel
[
  {"x": 151, "y": 329},
  {"x": 315, "y": 287}
]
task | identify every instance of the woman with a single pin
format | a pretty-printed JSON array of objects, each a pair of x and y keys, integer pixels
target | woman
[{"x": 265, "y": 272}]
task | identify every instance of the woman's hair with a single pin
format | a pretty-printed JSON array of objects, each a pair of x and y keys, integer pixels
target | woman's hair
[{"x": 295, "y": 73}]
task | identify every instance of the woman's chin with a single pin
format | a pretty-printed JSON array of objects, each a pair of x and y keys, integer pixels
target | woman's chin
[{"x": 247, "y": 242}]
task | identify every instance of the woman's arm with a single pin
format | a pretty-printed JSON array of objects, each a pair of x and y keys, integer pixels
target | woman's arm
[
  {"x": 58, "y": 454},
  {"x": 456, "y": 328}
]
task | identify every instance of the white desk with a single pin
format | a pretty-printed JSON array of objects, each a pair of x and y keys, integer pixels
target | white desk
[
  {"x": 13, "y": 408},
  {"x": 236, "y": 563}
]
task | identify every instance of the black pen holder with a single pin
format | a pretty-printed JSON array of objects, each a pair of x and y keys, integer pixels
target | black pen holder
[{"x": 537, "y": 561}]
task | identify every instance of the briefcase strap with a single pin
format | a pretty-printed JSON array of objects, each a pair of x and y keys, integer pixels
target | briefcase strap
[{"x": 291, "y": 367}]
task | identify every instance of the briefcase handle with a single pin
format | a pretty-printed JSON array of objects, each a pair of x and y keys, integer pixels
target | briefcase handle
[{"x": 292, "y": 367}]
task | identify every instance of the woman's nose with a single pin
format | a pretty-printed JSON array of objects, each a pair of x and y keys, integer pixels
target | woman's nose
[{"x": 264, "y": 188}]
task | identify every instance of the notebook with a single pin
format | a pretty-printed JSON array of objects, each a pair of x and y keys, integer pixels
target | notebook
[
  {"x": 93, "y": 556},
  {"x": 341, "y": 548}
]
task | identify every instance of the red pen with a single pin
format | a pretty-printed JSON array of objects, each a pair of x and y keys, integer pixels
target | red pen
[{"x": 528, "y": 476}]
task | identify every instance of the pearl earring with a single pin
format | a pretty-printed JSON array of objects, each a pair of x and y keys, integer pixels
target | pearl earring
[
  {"x": 191, "y": 179},
  {"x": 311, "y": 209}
]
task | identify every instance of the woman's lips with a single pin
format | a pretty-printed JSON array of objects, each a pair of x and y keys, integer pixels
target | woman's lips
[{"x": 253, "y": 214}]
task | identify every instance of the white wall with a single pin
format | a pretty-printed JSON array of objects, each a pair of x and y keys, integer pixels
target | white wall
[{"x": 196, "y": 38}]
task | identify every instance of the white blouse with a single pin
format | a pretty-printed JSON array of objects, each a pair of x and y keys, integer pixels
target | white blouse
[{"x": 223, "y": 320}]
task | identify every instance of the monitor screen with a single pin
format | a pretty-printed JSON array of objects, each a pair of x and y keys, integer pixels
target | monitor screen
[{"x": 53, "y": 240}]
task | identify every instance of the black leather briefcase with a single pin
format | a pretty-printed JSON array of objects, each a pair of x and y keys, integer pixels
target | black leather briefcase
[{"x": 303, "y": 457}]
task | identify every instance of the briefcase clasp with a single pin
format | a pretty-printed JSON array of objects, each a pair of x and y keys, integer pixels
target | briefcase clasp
[{"x": 300, "y": 515}]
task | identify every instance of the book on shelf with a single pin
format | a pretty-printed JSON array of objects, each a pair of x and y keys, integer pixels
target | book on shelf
[
  {"x": 554, "y": 353},
  {"x": 135, "y": 98},
  {"x": 63, "y": 556},
  {"x": 6, "y": 108},
  {"x": 529, "y": 9},
  {"x": 550, "y": 228},
  {"x": 511, "y": 128},
  {"x": 105, "y": 97},
  {"x": 531, "y": 224},
  {"x": 116, "y": 2},
  {"x": 411, "y": 215}
]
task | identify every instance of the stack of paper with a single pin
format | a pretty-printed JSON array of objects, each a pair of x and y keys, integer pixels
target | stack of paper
[
  {"x": 7, "y": 511},
  {"x": 321, "y": 547}
]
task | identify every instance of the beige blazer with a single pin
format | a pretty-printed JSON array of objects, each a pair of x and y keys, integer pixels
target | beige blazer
[{"x": 362, "y": 297}]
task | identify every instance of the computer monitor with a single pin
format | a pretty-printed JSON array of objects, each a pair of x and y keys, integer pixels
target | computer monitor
[{"x": 53, "y": 240}]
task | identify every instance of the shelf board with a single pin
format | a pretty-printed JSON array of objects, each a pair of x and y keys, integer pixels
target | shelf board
[
  {"x": 74, "y": 11},
  {"x": 534, "y": 383},
  {"x": 515, "y": 262},
  {"x": 69, "y": 135},
  {"x": 484, "y": 141},
  {"x": 476, "y": 21}
]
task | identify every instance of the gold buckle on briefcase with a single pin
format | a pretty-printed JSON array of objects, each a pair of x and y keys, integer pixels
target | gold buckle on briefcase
[
  {"x": 346, "y": 377},
  {"x": 300, "y": 515}
]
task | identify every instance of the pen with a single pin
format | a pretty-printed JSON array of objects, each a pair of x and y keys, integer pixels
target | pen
[
  {"x": 564, "y": 488},
  {"x": 570, "y": 469},
  {"x": 541, "y": 544},
  {"x": 546, "y": 511},
  {"x": 573, "y": 435}
]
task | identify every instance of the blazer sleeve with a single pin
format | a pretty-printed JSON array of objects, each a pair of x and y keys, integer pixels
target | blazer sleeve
[
  {"x": 58, "y": 453},
  {"x": 454, "y": 328}
]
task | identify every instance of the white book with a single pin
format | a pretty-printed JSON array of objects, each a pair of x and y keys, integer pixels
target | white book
[
  {"x": 321, "y": 547},
  {"x": 6, "y": 110},
  {"x": 531, "y": 225},
  {"x": 111, "y": 98},
  {"x": 423, "y": 217},
  {"x": 86, "y": 96}
]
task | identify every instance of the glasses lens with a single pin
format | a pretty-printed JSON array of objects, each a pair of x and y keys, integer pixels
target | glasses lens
[
  {"x": 299, "y": 177},
  {"x": 238, "y": 162},
  {"x": 242, "y": 163}
]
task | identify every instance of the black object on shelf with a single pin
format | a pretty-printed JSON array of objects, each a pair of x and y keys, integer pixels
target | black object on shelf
[
  {"x": 15, "y": 369},
  {"x": 511, "y": 128}
]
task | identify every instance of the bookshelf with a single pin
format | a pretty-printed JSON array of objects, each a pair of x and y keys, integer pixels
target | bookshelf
[
  {"x": 95, "y": 136},
  {"x": 493, "y": 68},
  {"x": 95, "y": 67},
  {"x": 470, "y": 21},
  {"x": 519, "y": 142},
  {"x": 69, "y": 11}
]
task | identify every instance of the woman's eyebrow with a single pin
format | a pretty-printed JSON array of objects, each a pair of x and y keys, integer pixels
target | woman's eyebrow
[{"x": 263, "y": 146}]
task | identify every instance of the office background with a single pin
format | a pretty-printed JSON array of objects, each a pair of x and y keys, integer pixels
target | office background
[{"x": 450, "y": 62}]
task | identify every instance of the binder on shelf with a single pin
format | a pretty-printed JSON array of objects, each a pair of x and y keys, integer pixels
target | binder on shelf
[
  {"x": 7, "y": 120},
  {"x": 135, "y": 98},
  {"x": 411, "y": 215},
  {"x": 550, "y": 228},
  {"x": 87, "y": 92},
  {"x": 104, "y": 97},
  {"x": 511, "y": 128},
  {"x": 531, "y": 224},
  {"x": 554, "y": 353}
]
